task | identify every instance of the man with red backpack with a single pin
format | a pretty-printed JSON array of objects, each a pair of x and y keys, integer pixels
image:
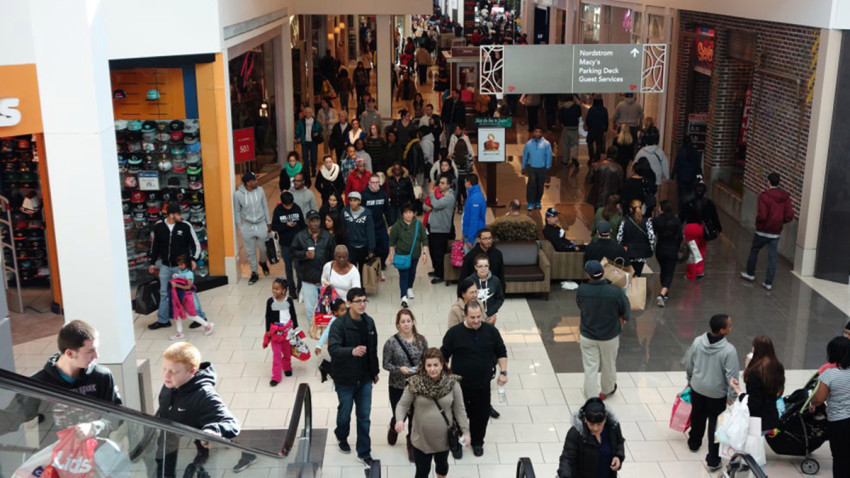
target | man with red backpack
[{"x": 774, "y": 211}]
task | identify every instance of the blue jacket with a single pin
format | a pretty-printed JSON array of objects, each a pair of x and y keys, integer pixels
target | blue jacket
[
  {"x": 301, "y": 125},
  {"x": 537, "y": 154},
  {"x": 474, "y": 213}
]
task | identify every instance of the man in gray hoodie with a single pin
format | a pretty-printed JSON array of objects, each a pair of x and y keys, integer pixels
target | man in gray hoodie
[
  {"x": 440, "y": 222},
  {"x": 251, "y": 211},
  {"x": 710, "y": 363},
  {"x": 629, "y": 112}
]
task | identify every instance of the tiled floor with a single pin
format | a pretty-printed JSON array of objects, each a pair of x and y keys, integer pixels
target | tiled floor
[{"x": 544, "y": 388}]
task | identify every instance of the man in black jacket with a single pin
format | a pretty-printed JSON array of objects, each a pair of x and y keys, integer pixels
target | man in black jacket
[
  {"x": 188, "y": 397},
  {"x": 554, "y": 233},
  {"x": 288, "y": 220},
  {"x": 172, "y": 238},
  {"x": 313, "y": 248},
  {"x": 339, "y": 133},
  {"x": 474, "y": 347},
  {"x": 604, "y": 310},
  {"x": 604, "y": 246},
  {"x": 353, "y": 345},
  {"x": 375, "y": 199},
  {"x": 484, "y": 246}
]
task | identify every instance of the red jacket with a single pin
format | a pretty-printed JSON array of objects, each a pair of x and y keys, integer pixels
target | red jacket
[
  {"x": 774, "y": 210},
  {"x": 356, "y": 182}
]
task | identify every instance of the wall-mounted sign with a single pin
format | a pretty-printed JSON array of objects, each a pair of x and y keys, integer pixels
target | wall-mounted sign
[
  {"x": 468, "y": 16},
  {"x": 705, "y": 56},
  {"x": 501, "y": 122},
  {"x": 746, "y": 116},
  {"x": 9, "y": 113},
  {"x": 492, "y": 145},
  {"x": 243, "y": 145}
]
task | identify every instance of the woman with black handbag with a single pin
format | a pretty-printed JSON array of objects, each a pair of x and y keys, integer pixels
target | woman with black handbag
[
  {"x": 401, "y": 358},
  {"x": 440, "y": 423}
]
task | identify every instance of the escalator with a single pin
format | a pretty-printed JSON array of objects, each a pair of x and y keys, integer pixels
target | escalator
[{"x": 33, "y": 417}]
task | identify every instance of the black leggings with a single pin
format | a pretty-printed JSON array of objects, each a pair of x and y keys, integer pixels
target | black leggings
[
  {"x": 423, "y": 462},
  {"x": 668, "y": 269},
  {"x": 638, "y": 267},
  {"x": 839, "y": 445}
]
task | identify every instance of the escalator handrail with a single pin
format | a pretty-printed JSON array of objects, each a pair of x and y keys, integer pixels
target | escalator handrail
[
  {"x": 48, "y": 392},
  {"x": 755, "y": 468},
  {"x": 302, "y": 397},
  {"x": 524, "y": 469}
]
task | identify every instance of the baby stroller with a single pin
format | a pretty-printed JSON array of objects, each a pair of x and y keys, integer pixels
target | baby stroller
[{"x": 801, "y": 432}]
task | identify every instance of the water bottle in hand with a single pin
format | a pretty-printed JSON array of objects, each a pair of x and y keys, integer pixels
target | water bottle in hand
[{"x": 502, "y": 398}]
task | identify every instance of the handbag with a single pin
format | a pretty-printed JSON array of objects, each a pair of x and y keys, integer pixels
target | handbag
[
  {"x": 680, "y": 418},
  {"x": 402, "y": 261},
  {"x": 371, "y": 274},
  {"x": 454, "y": 432},
  {"x": 636, "y": 293},
  {"x": 457, "y": 254},
  {"x": 709, "y": 231},
  {"x": 271, "y": 249}
]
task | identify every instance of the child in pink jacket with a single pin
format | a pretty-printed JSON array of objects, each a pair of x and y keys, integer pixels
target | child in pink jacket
[{"x": 280, "y": 319}]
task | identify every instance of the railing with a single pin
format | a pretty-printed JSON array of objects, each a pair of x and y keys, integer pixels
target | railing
[
  {"x": 524, "y": 469},
  {"x": 735, "y": 465},
  {"x": 303, "y": 400}
]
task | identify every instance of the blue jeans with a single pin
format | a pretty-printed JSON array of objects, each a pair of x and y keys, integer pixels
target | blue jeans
[
  {"x": 359, "y": 394},
  {"x": 163, "y": 315},
  {"x": 309, "y": 150},
  {"x": 407, "y": 276},
  {"x": 311, "y": 298},
  {"x": 288, "y": 264},
  {"x": 772, "y": 244},
  {"x": 536, "y": 182}
]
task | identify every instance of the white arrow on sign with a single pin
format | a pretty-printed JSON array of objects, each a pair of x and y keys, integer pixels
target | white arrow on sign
[{"x": 634, "y": 52}]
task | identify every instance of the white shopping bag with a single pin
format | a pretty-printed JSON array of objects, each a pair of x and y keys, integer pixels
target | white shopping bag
[
  {"x": 733, "y": 425},
  {"x": 695, "y": 257}
]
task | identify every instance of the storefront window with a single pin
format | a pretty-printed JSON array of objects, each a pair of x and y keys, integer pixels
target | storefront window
[
  {"x": 252, "y": 86},
  {"x": 591, "y": 23}
]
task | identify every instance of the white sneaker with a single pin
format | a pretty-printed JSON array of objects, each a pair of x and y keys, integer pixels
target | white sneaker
[
  {"x": 404, "y": 302},
  {"x": 410, "y": 294},
  {"x": 767, "y": 286},
  {"x": 208, "y": 330},
  {"x": 748, "y": 277},
  {"x": 180, "y": 336},
  {"x": 300, "y": 297}
]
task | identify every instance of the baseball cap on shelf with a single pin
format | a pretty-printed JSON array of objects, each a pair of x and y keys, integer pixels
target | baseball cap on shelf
[
  {"x": 551, "y": 212},
  {"x": 138, "y": 197},
  {"x": 194, "y": 170},
  {"x": 249, "y": 176},
  {"x": 193, "y": 158},
  {"x": 191, "y": 126},
  {"x": 176, "y": 136},
  {"x": 194, "y": 147},
  {"x": 152, "y": 94},
  {"x": 120, "y": 125},
  {"x": 119, "y": 94},
  {"x": 312, "y": 214},
  {"x": 163, "y": 136},
  {"x": 594, "y": 269},
  {"x": 134, "y": 125},
  {"x": 604, "y": 227},
  {"x": 148, "y": 126},
  {"x": 131, "y": 182},
  {"x": 354, "y": 195},
  {"x": 190, "y": 138},
  {"x": 176, "y": 125},
  {"x": 162, "y": 125}
]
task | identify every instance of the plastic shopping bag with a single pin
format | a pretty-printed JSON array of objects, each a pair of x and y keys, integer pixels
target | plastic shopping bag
[
  {"x": 38, "y": 465},
  {"x": 755, "y": 447},
  {"x": 695, "y": 257},
  {"x": 733, "y": 425},
  {"x": 680, "y": 419}
]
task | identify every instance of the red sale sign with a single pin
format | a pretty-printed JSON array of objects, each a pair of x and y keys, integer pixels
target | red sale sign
[{"x": 243, "y": 145}]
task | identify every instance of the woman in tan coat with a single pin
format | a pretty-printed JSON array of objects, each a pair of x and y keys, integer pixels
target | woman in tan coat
[
  {"x": 432, "y": 384},
  {"x": 468, "y": 293}
]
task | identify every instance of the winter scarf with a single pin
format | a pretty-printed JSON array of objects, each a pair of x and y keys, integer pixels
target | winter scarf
[
  {"x": 330, "y": 176},
  {"x": 291, "y": 171},
  {"x": 422, "y": 384}
]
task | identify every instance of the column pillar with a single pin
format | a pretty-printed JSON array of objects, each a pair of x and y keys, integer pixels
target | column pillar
[
  {"x": 285, "y": 90},
  {"x": 820, "y": 130},
  {"x": 69, "y": 41},
  {"x": 308, "y": 59},
  {"x": 384, "y": 42}
]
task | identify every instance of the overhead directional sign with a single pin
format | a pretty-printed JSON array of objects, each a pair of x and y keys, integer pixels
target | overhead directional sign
[{"x": 615, "y": 68}]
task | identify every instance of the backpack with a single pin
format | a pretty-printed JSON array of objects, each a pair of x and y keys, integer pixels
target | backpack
[{"x": 461, "y": 155}]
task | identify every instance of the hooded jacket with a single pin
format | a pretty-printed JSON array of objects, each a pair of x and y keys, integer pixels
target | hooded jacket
[
  {"x": 250, "y": 207},
  {"x": 360, "y": 227},
  {"x": 168, "y": 245},
  {"x": 356, "y": 182},
  {"x": 330, "y": 182},
  {"x": 774, "y": 210},
  {"x": 497, "y": 262},
  {"x": 442, "y": 213},
  {"x": 580, "y": 456},
  {"x": 198, "y": 405},
  {"x": 491, "y": 294},
  {"x": 657, "y": 161},
  {"x": 474, "y": 213},
  {"x": 709, "y": 366},
  {"x": 401, "y": 189}
]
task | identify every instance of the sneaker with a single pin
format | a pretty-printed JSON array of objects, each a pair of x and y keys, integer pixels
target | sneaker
[
  {"x": 300, "y": 297},
  {"x": 714, "y": 467},
  {"x": 746, "y": 276},
  {"x": 604, "y": 396},
  {"x": 344, "y": 447},
  {"x": 287, "y": 373},
  {"x": 254, "y": 278},
  {"x": 158, "y": 325},
  {"x": 177, "y": 337},
  {"x": 366, "y": 460},
  {"x": 246, "y": 460},
  {"x": 265, "y": 268},
  {"x": 273, "y": 383},
  {"x": 767, "y": 286},
  {"x": 530, "y": 207},
  {"x": 383, "y": 277},
  {"x": 662, "y": 300},
  {"x": 494, "y": 413},
  {"x": 410, "y": 294},
  {"x": 436, "y": 280},
  {"x": 404, "y": 302},
  {"x": 208, "y": 330},
  {"x": 538, "y": 206}
]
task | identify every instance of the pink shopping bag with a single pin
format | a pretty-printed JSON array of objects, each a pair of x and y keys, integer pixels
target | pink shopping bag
[
  {"x": 457, "y": 254},
  {"x": 680, "y": 419}
]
